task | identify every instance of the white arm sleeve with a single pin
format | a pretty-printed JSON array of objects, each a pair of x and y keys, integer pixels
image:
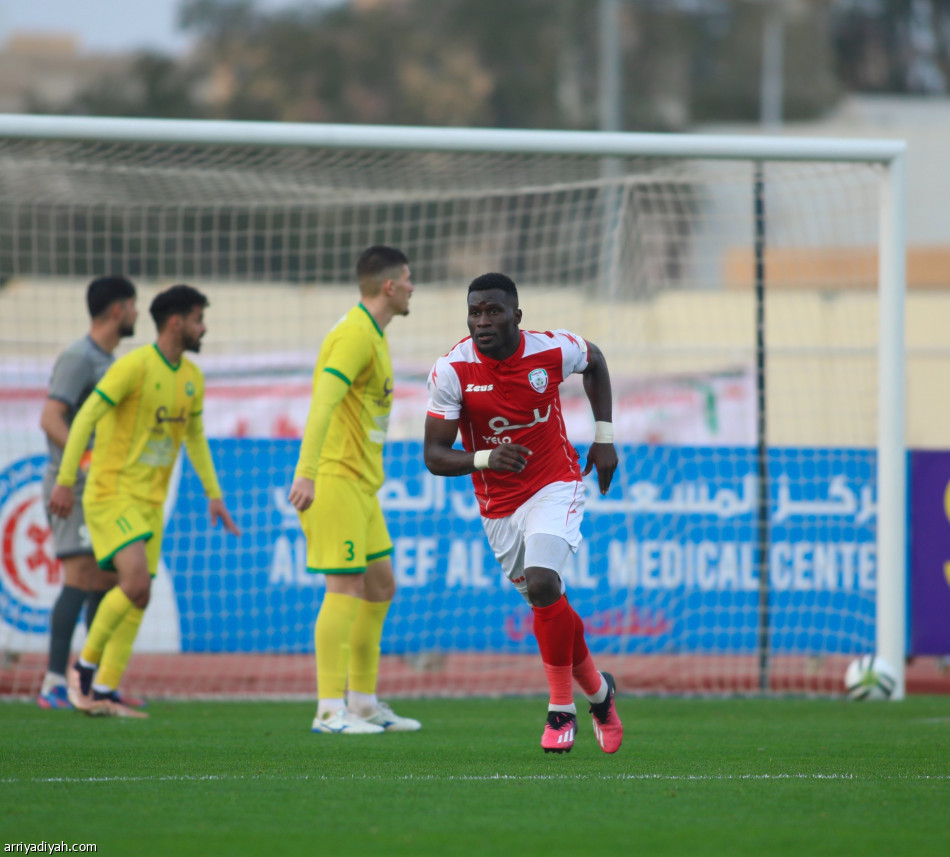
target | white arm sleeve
[
  {"x": 445, "y": 391},
  {"x": 574, "y": 351}
]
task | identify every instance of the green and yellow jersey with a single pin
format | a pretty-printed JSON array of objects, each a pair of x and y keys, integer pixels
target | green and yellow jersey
[
  {"x": 352, "y": 400},
  {"x": 142, "y": 410}
]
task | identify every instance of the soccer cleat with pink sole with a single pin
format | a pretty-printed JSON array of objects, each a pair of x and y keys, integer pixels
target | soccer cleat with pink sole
[
  {"x": 607, "y": 725},
  {"x": 559, "y": 732}
]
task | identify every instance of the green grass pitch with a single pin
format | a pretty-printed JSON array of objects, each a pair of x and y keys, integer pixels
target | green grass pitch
[{"x": 694, "y": 777}]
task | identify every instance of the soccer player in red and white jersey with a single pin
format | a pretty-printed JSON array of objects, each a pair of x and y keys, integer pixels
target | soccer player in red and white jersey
[{"x": 499, "y": 389}]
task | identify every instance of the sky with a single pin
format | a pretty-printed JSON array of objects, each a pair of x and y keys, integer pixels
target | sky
[{"x": 110, "y": 25}]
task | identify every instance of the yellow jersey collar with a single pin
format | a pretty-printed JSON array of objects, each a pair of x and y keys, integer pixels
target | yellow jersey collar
[
  {"x": 370, "y": 317},
  {"x": 173, "y": 366}
]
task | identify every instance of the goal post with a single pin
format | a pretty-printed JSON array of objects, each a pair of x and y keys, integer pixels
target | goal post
[
  {"x": 750, "y": 541},
  {"x": 892, "y": 477}
]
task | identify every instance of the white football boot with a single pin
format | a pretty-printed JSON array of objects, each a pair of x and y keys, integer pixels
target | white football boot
[
  {"x": 342, "y": 722},
  {"x": 388, "y": 720}
]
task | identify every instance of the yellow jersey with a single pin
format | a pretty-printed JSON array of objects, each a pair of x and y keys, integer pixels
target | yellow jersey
[
  {"x": 142, "y": 409},
  {"x": 355, "y": 352}
]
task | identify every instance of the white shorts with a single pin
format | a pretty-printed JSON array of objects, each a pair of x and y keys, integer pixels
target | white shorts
[{"x": 542, "y": 532}]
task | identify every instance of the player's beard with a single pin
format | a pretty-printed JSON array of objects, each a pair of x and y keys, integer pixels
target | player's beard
[
  {"x": 190, "y": 344},
  {"x": 127, "y": 330}
]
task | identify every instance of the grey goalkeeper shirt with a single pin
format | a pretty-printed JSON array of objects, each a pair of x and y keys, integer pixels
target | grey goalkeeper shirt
[{"x": 76, "y": 372}]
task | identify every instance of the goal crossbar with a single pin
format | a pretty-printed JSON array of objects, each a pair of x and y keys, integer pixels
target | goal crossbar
[{"x": 596, "y": 144}]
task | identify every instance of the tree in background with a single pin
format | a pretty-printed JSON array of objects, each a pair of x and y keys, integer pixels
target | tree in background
[
  {"x": 428, "y": 62},
  {"x": 154, "y": 86},
  {"x": 531, "y": 64},
  {"x": 525, "y": 64},
  {"x": 897, "y": 46}
]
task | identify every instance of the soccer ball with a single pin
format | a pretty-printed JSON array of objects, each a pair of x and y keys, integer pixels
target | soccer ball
[{"x": 869, "y": 677}]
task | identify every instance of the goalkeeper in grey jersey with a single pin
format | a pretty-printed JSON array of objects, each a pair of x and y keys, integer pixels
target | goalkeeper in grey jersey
[{"x": 111, "y": 303}]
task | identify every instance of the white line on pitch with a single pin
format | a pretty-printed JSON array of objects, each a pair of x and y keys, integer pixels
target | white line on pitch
[{"x": 474, "y": 778}]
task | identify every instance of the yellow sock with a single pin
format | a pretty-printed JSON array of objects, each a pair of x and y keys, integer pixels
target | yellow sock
[
  {"x": 116, "y": 654},
  {"x": 332, "y": 639},
  {"x": 112, "y": 610},
  {"x": 364, "y": 645}
]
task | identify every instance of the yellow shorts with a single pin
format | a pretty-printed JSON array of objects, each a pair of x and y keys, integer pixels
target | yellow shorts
[
  {"x": 115, "y": 524},
  {"x": 345, "y": 528}
]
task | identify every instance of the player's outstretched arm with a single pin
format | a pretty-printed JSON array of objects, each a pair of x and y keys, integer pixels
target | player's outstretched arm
[
  {"x": 217, "y": 511},
  {"x": 443, "y": 460},
  {"x": 602, "y": 455}
]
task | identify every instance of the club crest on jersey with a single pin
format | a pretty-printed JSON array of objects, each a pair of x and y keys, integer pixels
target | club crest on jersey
[{"x": 538, "y": 378}]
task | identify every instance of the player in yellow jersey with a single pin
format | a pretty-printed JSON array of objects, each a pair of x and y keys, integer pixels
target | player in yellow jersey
[
  {"x": 338, "y": 473},
  {"x": 143, "y": 408}
]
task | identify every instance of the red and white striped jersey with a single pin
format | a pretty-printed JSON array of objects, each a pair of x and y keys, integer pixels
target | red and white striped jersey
[{"x": 511, "y": 401}]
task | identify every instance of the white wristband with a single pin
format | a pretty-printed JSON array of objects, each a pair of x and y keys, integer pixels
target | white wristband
[
  {"x": 603, "y": 432},
  {"x": 481, "y": 459}
]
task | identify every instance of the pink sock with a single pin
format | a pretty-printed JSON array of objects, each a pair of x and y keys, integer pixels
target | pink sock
[{"x": 584, "y": 670}]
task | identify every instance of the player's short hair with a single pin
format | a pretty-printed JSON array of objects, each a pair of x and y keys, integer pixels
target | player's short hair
[
  {"x": 178, "y": 300},
  {"x": 105, "y": 291},
  {"x": 376, "y": 261},
  {"x": 494, "y": 280}
]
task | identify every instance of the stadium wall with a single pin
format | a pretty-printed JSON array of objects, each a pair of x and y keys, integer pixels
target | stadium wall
[{"x": 676, "y": 332}]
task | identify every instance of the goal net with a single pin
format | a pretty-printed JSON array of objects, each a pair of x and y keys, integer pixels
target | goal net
[{"x": 746, "y": 293}]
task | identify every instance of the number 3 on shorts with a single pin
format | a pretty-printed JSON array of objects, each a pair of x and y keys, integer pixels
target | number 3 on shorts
[{"x": 349, "y": 550}]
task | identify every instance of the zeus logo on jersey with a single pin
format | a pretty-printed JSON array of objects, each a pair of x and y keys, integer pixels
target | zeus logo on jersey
[
  {"x": 479, "y": 388},
  {"x": 501, "y": 424}
]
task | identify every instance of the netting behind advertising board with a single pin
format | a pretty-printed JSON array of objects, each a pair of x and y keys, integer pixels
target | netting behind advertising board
[{"x": 736, "y": 301}]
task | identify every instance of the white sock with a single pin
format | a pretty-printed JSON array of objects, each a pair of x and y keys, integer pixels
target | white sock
[
  {"x": 570, "y": 709},
  {"x": 328, "y": 708},
  {"x": 51, "y": 680},
  {"x": 362, "y": 701},
  {"x": 601, "y": 694}
]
